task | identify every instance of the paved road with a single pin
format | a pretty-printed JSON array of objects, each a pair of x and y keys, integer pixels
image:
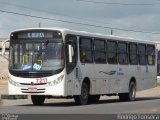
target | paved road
[
  {"x": 146, "y": 102},
  {"x": 110, "y": 106},
  {"x": 63, "y": 110}
]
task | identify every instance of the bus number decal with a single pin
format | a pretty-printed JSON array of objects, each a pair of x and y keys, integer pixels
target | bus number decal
[{"x": 41, "y": 80}]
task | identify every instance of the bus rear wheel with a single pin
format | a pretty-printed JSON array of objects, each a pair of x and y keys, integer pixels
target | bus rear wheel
[
  {"x": 82, "y": 99},
  {"x": 37, "y": 99},
  {"x": 130, "y": 96}
]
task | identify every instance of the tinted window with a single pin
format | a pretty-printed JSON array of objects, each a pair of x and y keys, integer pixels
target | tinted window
[
  {"x": 142, "y": 54},
  {"x": 86, "y": 54},
  {"x": 99, "y": 51},
  {"x": 112, "y": 52},
  {"x": 151, "y": 54},
  {"x": 122, "y": 53},
  {"x": 133, "y": 54}
]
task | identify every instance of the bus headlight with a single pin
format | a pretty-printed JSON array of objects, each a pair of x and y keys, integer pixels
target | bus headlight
[
  {"x": 56, "y": 81},
  {"x": 14, "y": 83}
]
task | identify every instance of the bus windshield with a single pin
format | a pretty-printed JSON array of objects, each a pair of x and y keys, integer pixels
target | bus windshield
[{"x": 36, "y": 55}]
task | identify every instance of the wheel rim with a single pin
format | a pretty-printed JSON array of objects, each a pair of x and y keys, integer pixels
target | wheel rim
[
  {"x": 132, "y": 91},
  {"x": 84, "y": 94}
]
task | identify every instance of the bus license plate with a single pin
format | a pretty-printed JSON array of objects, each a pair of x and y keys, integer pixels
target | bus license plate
[{"x": 32, "y": 89}]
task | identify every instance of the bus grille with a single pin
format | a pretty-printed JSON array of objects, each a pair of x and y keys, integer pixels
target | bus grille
[
  {"x": 34, "y": 83},
  {"x": 26, "y": 90}
]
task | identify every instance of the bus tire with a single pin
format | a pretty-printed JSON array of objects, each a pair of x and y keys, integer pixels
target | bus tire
[
  {"x": 94, "y": 98},
  {"x": 83, "y": 98},
  {"x": 37, "y": 99},
  {"x": 130, "y": 96}
]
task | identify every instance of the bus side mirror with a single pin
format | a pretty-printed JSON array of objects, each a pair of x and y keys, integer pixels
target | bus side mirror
[{"x": 71, "y": 53}]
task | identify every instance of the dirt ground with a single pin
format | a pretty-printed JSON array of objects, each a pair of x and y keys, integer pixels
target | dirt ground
[{"x": 3, "y": 71}]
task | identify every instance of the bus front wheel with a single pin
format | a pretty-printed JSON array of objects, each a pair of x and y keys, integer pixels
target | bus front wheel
[
  {"x": 82, "y": 99},
  {"x": 37, "y": 99}
]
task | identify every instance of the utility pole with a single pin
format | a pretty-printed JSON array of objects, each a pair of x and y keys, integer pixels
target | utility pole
[
  {"x": 39, "y": 25},
  {"x": 111, "y": 32}
]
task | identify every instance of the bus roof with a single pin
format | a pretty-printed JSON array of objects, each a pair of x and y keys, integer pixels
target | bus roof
[{"x": 94, "y": 35}]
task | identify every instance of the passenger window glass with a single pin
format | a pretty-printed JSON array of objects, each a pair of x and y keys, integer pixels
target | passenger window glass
[
  {"x": 85, "y": 44},
  {"x": 133, "y": 54},
  {"x": 86, "y": 54},
  {"x": 112, "y": 52},
  {"x": 99, "y": 51},
  {"x": 142, "y": 54},
  {"x": 122, "y": 53},
  {"x": 151, "y": 54}
]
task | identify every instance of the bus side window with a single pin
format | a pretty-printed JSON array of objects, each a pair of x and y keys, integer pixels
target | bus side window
[
  {"x": 112, "y": 52},
  {"x": 142, "y": 54},
  {"x": 122, "y": 53},
  {"x": 86, "y": 53},
  {"x": 82, "y": 56},
  {"x": 151, "y": 54},
  {"x": 133, "y": 57}
]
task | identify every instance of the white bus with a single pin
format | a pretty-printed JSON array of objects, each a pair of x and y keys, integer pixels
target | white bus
[{"x": 48, "y": 63}]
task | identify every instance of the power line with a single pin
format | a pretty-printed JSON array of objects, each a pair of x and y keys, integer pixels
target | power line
[
  {"x": 79, "y": 23},
  {"x": 116, "y": 3},
  {"x": 57, "y": 13},
  {"x": 40, "y": 10}
]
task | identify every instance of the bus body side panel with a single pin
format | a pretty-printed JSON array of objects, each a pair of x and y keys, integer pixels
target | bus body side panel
[
  {"x": 122, "y": 78},
  {"x": 109, "y": 79},
  {"x": 100, "y": 84},
  {"x": 129, "y": 72},
  {"x": 72, "y": 83},
  {"x": 75, "y": 78},
  {"x": 148, "y": 77},
  {"x": 143, "y": 75}
]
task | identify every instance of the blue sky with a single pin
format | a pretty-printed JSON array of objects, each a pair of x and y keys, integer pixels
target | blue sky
[{"x": 136, "y": 15}]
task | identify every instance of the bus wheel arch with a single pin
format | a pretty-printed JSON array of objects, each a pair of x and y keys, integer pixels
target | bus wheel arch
[
  {"x": 82, "y": 99},
  {"x": 131, "y": 94},
  {"x": 87, "y": 81},
  {"x": 132, "y": 89},
  {"x": 133, "y": 79}
]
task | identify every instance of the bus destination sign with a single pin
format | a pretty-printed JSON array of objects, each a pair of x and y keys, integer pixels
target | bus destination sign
[{"x": 36, "y": 35}]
